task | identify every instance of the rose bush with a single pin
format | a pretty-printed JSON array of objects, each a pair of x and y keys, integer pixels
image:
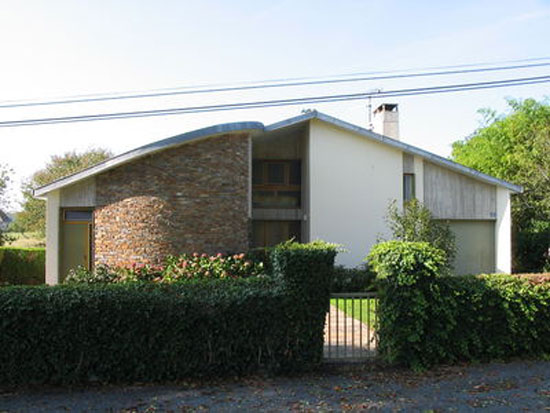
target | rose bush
[{"x": 172, "y": 269}]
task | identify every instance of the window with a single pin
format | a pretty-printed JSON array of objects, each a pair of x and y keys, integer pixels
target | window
[
  {"x": 269, "y": 233},
  {"x": 276, "y": 184},
  {"x": 77, "y": 215},
  {"x": 408, "y": 187}
]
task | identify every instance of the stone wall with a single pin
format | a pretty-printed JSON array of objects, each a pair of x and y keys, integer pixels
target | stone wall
[{"x": 185, "y": 199}]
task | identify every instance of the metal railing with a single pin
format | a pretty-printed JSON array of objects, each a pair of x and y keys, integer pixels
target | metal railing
[{"x": 350, "y": 328}]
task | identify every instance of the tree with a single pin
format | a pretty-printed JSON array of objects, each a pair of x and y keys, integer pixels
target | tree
[
  {"x": 33, "y": 216},
  {"x": 5, "y": 178},
  {"x": 516, "y": 147},
  {"x": 417, "y": 224}
]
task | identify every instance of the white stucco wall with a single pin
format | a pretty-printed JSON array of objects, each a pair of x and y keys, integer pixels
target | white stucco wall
[
  {"x": 53, "y": 203},
  {"x": 503, "y": 232},
  {"x": 352, "y": 181},
  {"x": 419, "y": 178}
]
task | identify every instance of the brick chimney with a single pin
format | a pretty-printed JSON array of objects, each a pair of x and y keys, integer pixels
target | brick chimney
[{"x": 386, "y": 120}]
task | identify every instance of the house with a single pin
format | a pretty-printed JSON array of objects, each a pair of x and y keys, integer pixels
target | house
[
  {"x": 233, "y": 186},
  {"x": 5, "y": 220}
]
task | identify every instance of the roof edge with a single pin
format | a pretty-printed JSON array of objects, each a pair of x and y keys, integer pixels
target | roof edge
[
  {"x": 147, "y": 150},
  {"x": 405, "y": 147}
]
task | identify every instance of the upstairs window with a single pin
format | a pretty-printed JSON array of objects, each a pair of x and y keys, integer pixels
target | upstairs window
[
  {"x": 408, "y": 187},
  {"x": 276, "y": 184}
]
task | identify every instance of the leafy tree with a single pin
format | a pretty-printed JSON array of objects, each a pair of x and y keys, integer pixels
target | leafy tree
[
  {"x": 33, "y": 216},
  {"x": 417, "y": 224},
  {"x": 516, "y": 147},
  {"x": 5, "y": 178}
]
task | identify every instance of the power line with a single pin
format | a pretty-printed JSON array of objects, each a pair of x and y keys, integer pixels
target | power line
[
  {"x": 281, "y": 102},
  {"x": 289, "y": 79},
  {"x": 192, "y": 90}
]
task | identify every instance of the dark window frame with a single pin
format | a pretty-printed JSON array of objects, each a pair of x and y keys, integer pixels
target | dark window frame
[
  {"x": 263, "y": 185},
  {"x": 413, "y": 187}
]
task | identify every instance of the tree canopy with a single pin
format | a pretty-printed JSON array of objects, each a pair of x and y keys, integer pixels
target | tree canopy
[
  {"x": 32, "y": 217},
  {"x": 516, "y": 147}
]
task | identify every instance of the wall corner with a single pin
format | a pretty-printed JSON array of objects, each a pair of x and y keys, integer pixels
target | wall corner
[
  {"x": 503, "y": 232},
  {"x": 53, "y": 203}
]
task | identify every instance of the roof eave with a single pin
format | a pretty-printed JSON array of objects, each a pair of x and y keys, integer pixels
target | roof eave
[
  {"x": 413, "y": 150},
  {"x": 142, "y": 151}
]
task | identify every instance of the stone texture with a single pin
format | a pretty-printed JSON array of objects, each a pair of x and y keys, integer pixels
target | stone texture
[{"x": 185, "y": 199}]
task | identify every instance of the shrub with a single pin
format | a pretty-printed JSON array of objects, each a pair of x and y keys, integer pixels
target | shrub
[
  {"x": 426, "y": 319},
  {"x": 417, "y": 224},
  {"x": 22, "y": 265},
  {"x": 173, "y": 269},
  {"x": 147, "y": 332},
  {"x": 305, "y": 271},
  {"x": 350, "y": 280}
]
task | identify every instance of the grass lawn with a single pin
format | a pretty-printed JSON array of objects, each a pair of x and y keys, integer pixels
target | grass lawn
[
  {"x": 26, "y": 240},
  {"x": 363, "y": 310}
]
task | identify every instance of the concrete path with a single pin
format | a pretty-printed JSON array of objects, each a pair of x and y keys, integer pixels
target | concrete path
[{"x": 346, "y": 337}]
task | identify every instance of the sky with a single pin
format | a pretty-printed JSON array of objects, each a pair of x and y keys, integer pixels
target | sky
[{"x": 56, "y": 48}]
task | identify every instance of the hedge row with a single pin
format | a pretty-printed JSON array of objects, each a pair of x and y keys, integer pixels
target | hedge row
[
  {"x": 426, "y": 319},
  {"x": 22, "y": 266},
  {"x": 157, "y": 332}
]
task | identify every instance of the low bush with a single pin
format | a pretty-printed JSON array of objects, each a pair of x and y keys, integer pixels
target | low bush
[
  {"x": 151, "y": 332},
  {"x": 22, "y": 266},
  {"x": 352, "y": 280},
  {"x": 173, "y": 269},
  {"x": 426, "y": 319}
]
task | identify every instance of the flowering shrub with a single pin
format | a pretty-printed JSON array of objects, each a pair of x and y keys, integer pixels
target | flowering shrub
[{"x": 173, "y": 269}]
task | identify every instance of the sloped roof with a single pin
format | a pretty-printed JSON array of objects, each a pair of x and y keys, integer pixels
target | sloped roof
[{"x": 259, "y": 127}]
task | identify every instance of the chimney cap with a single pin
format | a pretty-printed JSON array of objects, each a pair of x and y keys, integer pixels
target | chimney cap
[{"x": 386, "y": 107}]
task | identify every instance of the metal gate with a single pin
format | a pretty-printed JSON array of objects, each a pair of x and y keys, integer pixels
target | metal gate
[{"x": 350, "y": 328}]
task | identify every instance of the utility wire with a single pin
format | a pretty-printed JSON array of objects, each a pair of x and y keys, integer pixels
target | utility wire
[
  {"x": 289, "y": 79},
  {"x": 191, "y": 91},
  {"x": 281, "y": 102}
]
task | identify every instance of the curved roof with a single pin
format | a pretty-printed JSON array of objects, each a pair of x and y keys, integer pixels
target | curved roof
[
  {"x": 147, "y": 150},
  {"x": 259, "y": 127}
]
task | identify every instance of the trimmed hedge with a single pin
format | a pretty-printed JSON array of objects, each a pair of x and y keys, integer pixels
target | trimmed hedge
[
  {"x": 305, "y": 271},
  {"x": 352, "y": 280},
  {"x": 427, "y": 319},
  {"x": 148, "y": 332},
  {"x": 22, "y": 266}
]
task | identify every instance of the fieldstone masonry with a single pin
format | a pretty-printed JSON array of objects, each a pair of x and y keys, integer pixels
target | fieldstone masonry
[{"x": 185, "y": 199}]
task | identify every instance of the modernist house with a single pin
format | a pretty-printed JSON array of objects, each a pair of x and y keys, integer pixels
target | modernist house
[{"x": 230, "y": 187}]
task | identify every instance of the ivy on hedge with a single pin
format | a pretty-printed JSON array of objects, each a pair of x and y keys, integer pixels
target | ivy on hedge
[
  {"x": 426, "y": 319},
  {"x": 22, "y": 266},
  {"x": 160, "y": 332}
]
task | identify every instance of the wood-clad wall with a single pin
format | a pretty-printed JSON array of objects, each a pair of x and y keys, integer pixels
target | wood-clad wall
[{"x": 451, "y": 195}]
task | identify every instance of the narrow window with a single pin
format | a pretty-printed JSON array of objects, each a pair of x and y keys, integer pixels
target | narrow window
[{"x": 408, "y": 187}]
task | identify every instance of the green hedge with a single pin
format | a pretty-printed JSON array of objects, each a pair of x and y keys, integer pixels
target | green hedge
[
  {"x": 144, "y": 332},
  {"x": 427, "y": 319},
  {"x": 22, "y": 266},
  {"x": 351, "y": 280},
  {"x": 305, "y": 271}
]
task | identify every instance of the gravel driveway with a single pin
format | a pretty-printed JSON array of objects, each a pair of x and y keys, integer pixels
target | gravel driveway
[{"x": 494, "y": 387}]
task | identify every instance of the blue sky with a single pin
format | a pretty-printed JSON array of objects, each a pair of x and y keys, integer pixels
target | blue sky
[{"x": 58, "y": 48}]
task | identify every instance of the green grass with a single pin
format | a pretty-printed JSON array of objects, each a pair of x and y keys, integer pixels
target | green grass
[
  {"x": 363, "y": 310},
  {"x": 26, "y": 240}
]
